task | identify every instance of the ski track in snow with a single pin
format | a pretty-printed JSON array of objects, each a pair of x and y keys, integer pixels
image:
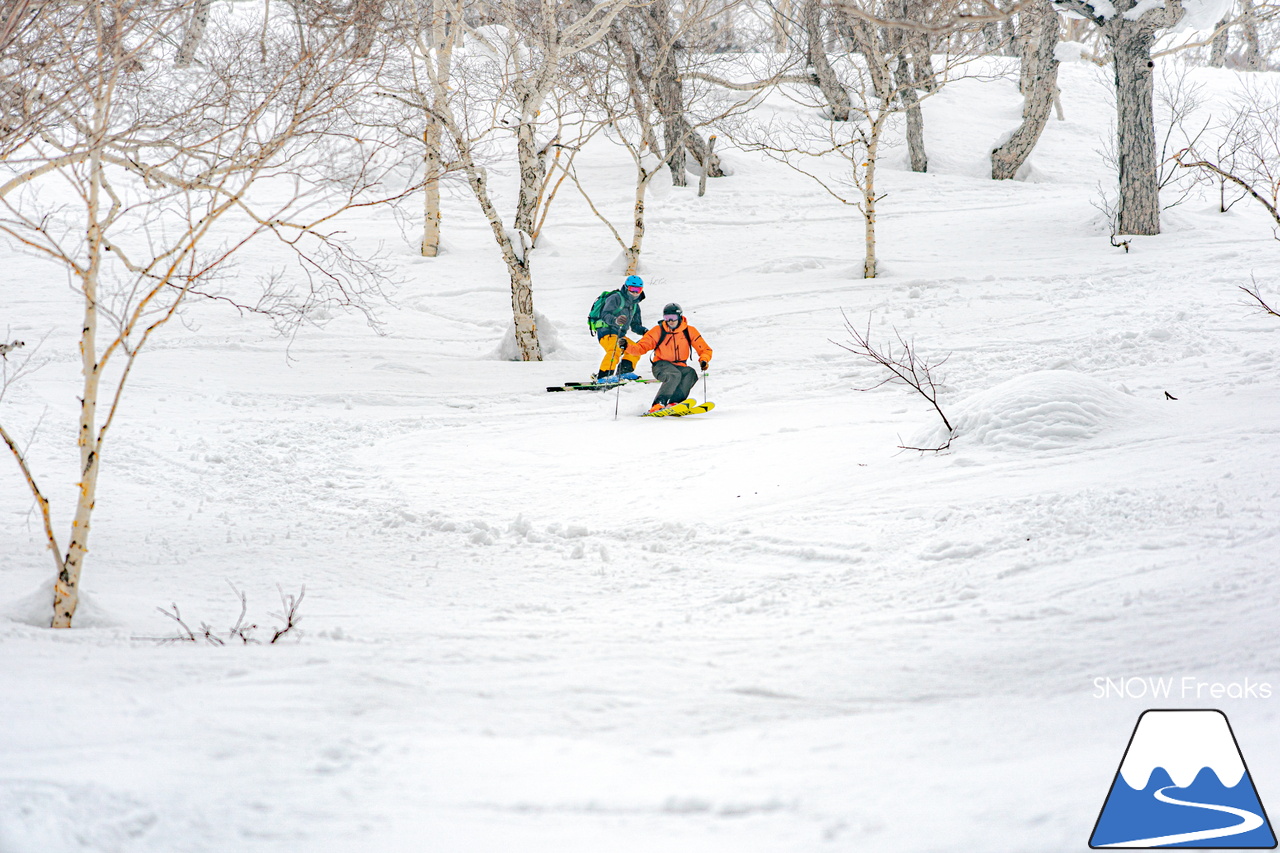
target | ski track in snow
[{"x": 530, "y": 626}]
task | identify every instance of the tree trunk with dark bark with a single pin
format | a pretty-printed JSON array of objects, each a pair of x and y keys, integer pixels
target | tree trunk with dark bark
[
  {"x": 1139, "y": 202},
  {"x": 915, "y": 116},
  {"x": 1221, "y": 41},
  {"x": 816, "y": 53},
  {"x": 1040, "y": 34},
  {"x": 1252, "y": 43}
]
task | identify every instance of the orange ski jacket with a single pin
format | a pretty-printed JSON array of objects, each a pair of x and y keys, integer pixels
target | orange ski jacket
[{"x": 675, "y": 347}]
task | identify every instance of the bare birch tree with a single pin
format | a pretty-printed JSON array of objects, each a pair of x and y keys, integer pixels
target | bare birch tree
[
  {"x": 883, "y": 88},
  {"x": 145, "y": 184},
  {"x": 422, "y": 36},
  {"x": 856, "y": 144},
  {"x": 506, "y": 86},
  {"x": 619, "y": 90},
  {"x": 1248, "y": 157}
]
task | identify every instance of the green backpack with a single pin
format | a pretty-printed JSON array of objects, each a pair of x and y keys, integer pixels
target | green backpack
[{"x": 594, "y": 321}]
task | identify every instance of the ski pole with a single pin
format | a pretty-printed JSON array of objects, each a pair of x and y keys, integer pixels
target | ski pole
[{"x": 617, "y": 363}]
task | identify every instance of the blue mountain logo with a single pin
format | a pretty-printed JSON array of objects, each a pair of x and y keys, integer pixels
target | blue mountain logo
[{"x": 1183, "y": 783}]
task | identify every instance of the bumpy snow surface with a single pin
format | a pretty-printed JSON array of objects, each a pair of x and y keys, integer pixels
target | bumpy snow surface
[{"x": 532, "y": 626}]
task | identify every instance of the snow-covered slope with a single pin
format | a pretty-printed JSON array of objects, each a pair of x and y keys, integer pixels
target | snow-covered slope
[{"x": 530, "y": 625}]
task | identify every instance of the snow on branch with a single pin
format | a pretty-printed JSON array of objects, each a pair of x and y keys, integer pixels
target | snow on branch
[{"x": 986, "y": 12}]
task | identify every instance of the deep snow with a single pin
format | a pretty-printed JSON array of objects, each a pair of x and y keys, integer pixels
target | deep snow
[{"x": 529, "y": 625}]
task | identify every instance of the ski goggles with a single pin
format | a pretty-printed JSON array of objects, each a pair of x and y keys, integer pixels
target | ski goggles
[
  {"x": 671, "y": 318},
  {"x": 632, "y": 289}
]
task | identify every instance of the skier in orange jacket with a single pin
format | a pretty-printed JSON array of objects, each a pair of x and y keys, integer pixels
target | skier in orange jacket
[{"x": 673, "y": 341}]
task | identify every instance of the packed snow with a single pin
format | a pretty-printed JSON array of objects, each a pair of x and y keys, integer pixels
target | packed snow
[{"x": 539, "y": 622}]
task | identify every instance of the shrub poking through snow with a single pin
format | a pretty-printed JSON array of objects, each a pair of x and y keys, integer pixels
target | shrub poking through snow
[
  {"x": 240, "y": 630},
  {"x": 904, "y": 364},
  {"x": 1257, "y": 297}
]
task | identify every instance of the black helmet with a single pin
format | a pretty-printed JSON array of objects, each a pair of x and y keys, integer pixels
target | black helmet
[{"x": 672, "y": 308}]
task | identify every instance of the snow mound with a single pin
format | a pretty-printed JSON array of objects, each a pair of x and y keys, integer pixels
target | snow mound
[
  {"x": 786, "y": 265},
  {"x": 548, "y": 337},
  {"x": 1044, "y": 410},
  {"x": 36, "y": 610}
]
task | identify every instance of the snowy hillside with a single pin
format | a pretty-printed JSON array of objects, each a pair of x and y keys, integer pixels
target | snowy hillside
[{"x": 532, "y": 625}]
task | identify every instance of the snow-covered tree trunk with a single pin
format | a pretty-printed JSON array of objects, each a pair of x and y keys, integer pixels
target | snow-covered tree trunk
[
  {"x": 816, "y": 54},
  {"x": 194, "y": 35},
  {"x": 667, "y": 97},
  {"x": 632, "y": 252},
  {"x": 920, "y": 48},
  {"x": 903, "y": 44},
  {"x": 522, "y": 312},
  {"x": 1040, "y": 35}
]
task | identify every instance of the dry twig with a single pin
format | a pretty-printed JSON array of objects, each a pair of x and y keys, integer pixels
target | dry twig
[
  {"x": 1257, "y": 297},
  {"x": 904, "y": 364}
]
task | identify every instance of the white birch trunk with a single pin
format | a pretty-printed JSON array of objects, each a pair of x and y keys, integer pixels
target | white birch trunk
[
  {"x": 440, "y": 57},
  {"x": 517, "y": 261},
  {"x": 431, "y": 139},
  {"x": 869, "y": 193},
  {"x": 632, "y": 252},
  {"x": 194, "y": 35},
  {"x": 66, "y": 590}
]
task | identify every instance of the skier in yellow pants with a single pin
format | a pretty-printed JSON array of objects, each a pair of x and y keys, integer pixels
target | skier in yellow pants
[{"x": 610, "y": 319}]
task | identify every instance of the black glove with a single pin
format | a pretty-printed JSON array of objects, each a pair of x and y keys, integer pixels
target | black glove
[
  {"x": 622, "y": 344},
  {"x": 620, "y": 321},
  {"x": 703, "y": 365}
]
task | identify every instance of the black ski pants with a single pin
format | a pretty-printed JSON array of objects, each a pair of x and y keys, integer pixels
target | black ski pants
[{"x": 677, "y": 381}]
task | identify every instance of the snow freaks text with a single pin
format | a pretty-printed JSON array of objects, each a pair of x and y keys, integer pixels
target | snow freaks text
[{"x": 1186, "y": 687}]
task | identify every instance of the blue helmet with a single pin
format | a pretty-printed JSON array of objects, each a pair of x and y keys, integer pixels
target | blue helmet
[{"x": 633, "y": 281}]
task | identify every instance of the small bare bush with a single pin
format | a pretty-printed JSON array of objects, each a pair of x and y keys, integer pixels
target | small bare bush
[
  {"x": 904, "y": 365},
  {"x": 241, "y": 632}
]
